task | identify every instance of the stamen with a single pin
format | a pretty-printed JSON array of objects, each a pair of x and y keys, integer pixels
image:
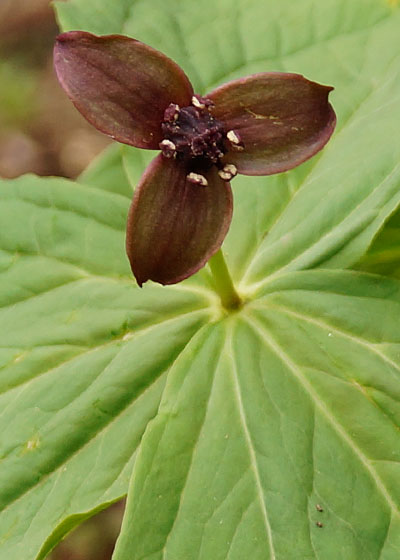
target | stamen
[
  {"x": 168, "y": 148},
  {"x": 197, "y": 179},
  {"x": 197, "y": 103},
  {"x": 228, "y": 172},
  {"x": 235, "y": 140}
]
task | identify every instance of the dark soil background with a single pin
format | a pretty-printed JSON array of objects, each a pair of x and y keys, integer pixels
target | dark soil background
[{"x": 41, "y": 132}]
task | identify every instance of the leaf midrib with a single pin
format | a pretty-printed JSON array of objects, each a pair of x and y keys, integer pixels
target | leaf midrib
[
  {"x": 270, "y": 341},
  {"x": 105, "y": 426},
  {"x": 332, "y": 329},
  {"x": 229, "y": 350}
]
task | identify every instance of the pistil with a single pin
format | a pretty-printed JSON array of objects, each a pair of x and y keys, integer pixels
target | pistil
[{"x": 194, "y": 137}]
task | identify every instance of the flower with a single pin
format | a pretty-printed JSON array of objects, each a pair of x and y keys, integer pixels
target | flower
[{"x": 182, "y": 208}]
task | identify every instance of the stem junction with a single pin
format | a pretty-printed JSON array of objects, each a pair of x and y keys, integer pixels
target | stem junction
[{"x": 223, "y": 284}]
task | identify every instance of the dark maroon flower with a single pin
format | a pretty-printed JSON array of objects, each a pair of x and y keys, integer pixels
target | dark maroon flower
[{"x": 182, "y": 208}]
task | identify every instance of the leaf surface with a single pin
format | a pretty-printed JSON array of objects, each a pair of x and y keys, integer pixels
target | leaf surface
[
  {"x": 298, "y": 408},
  {"x": 78, "y": 376},
  {"x": 107, "y": 172},
  {"x": 383, "y": 255},
  {"x": 292, "y": 402}
]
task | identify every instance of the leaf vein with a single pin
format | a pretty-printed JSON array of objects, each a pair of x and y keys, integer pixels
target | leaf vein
[
  {"x": 296, "y": 371},
  {"x": 249, "y": 443}
]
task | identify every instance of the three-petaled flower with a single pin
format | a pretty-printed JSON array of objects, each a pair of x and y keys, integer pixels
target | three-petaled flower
[{"x": 182, "y": 208}]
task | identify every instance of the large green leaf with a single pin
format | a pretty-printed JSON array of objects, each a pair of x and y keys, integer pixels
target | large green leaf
[
  {"x": 289, "y": 403},
  {"x": 79, "y": 378},
  {"x": 298, "y": 407}
]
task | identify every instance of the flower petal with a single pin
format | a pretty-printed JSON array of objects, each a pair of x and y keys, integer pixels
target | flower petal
[
  {"x": 120, "y": 85},
  {"x": 281, "y": 120},
  {"x": 175, "y": 226}
]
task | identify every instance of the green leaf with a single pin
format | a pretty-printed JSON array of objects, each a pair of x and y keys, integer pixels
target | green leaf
[
  {"x": 79, "y": 379},
  {"x": 135, "y": 162},
  {"x": 103, "y": 17},
  {"x": 383, "y": 256},
  {"x": 298, "y": 407},
  {"x": 107, "y": 172},
  {"x": 289, "y": 403}
]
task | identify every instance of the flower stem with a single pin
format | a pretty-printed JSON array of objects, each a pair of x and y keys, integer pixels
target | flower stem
[{"x": 223, "y": 282}]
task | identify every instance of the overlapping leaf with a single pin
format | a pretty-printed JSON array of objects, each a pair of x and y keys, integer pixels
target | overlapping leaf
[
  {"x": 383, "y": 256},
  {"x": 107, "y": 172},
  {"x": 79, "y": 377}
]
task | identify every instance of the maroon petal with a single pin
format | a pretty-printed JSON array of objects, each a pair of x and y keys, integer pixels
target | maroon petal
[
  {"x": 120, "y": 85},
  {"x": 280, "y": 119},
  {"x": 175, "y": 226}
]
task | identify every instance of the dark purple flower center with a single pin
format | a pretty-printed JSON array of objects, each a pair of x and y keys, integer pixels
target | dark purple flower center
[{"x": 192, "y": 134}]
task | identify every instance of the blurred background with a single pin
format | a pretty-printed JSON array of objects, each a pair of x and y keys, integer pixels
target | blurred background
[{"x": 41, "y": 132}]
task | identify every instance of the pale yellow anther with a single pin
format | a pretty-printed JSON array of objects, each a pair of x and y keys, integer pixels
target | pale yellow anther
[
  {"x": 228, "y": 172},
  {"x": 230, "y": 168},
  {"x": 197, "y": 179},
  {"x": 196, "y": 103},
  {"x": 168, "y": 144},
  {"x": 233, "y": 137},
  {"x": 235, "y": 140}
]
